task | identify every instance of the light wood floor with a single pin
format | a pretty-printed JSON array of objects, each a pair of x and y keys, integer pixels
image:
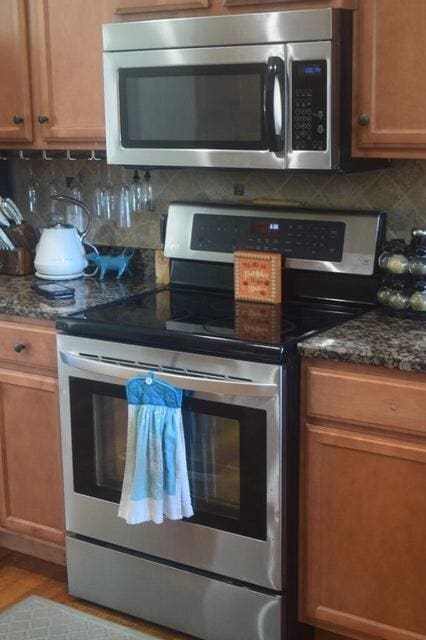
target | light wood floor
[{"x": 22, "y": 576}]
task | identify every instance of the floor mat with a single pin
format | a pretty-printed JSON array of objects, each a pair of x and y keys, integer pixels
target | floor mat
[{"x": 37, "y": 618}]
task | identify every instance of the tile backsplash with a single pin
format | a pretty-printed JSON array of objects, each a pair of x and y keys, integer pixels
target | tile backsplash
[{"x": 399, "y": 189}]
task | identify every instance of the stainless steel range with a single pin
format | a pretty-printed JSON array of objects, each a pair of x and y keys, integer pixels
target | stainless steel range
[{"x": 229, "y": 572}]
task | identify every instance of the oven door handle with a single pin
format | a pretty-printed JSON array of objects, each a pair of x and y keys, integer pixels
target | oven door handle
[{"x": 191, "y": 383}]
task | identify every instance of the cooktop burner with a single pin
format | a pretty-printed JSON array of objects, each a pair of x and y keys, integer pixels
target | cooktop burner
[{"x": 208, "y": 322}]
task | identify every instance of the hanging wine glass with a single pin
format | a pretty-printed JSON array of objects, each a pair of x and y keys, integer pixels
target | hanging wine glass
[
  {"x": 53, "y": 189},
  {"x": 76, "y": 192},
  {"x": 124, "y": 210},
  {"x": 109, "y": 197},
  {"x": 98, "y": 196},
  {"x": 136, "y": 194},
  {"x": 148, "y": 204},
  {"x": 33, "y": 195}
]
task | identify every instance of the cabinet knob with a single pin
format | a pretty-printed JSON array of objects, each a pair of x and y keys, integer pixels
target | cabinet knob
[
  {"x": 43, "y": 119},
  {"x": 364, "y": 119},
  {"x": 18, "y": 347},
  {"x": 17, "y": 119}
]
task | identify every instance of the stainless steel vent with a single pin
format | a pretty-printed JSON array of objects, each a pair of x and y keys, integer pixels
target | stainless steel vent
[{"x": 150, "y": 366}]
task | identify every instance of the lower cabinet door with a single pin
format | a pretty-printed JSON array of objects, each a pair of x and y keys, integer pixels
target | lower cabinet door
[
  {"x": 363, "y": 543},
  {"x": 31, "y": 475}
]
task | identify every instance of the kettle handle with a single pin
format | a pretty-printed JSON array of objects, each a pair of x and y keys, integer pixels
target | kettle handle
[{"x": 81, "y": 204}]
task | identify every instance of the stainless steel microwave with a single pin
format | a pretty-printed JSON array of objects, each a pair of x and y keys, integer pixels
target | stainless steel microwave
[{"x": 251, "y": 91}]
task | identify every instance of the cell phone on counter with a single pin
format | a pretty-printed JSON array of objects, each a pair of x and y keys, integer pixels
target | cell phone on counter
[{"x": 54, "y": 290}]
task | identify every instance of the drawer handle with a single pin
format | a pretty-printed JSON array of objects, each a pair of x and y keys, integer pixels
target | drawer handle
[
  {"x": 43, "y": 119},
  {"x": 18, "y": 347},
  {"x": 394, "y": 406}
]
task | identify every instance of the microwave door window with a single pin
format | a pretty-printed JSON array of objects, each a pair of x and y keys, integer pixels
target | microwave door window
[{"x": 193, "y": 107}]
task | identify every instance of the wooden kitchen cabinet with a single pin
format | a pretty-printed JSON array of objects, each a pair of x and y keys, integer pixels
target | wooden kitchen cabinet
[
  {"x": 53, "y": 51},
  {"x": 147, "y": 9},
  {"x": 66, "y": 47},
  {"x": 31, "y": 490},
  {"x": 363, "y": 488},
  {"x": 15, "y": 97},
  {"x": 390, "y": 92}
]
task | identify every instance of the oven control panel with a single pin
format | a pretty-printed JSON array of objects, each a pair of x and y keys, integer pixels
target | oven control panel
[
  {"x": 309, "y": 105},
  {"x": 302, "y": 239}
]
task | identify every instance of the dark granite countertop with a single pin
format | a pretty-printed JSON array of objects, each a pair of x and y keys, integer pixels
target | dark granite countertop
[
  {"x": 17, "y": 298},
  {"x": 373, "y": 338}
]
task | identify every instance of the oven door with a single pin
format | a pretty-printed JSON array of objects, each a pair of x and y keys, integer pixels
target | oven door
[
  {"x": 206, "y": 107},
  {"x": 232, "y": 424}
]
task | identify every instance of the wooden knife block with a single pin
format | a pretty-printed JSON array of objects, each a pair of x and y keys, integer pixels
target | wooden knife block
[{"x": 19, "y": 261}]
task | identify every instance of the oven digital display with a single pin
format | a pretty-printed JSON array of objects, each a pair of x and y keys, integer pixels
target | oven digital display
[{"x": 260, "y": 228}]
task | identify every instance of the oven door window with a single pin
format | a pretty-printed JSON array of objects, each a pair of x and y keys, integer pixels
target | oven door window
[
  {"x": 193, "y": 107},
  {"x": 226, "y": 455}
]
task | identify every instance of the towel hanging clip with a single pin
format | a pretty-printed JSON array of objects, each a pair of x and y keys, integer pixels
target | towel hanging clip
[{"x": 149, "y": 378}]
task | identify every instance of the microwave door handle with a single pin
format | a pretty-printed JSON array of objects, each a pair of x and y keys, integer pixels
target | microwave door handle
[
  {"x": 188, "y": 382},
  {"x": 274, "y": 103}
]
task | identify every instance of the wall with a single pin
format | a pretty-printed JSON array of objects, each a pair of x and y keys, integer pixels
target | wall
[{"x": 400, "y": 189}]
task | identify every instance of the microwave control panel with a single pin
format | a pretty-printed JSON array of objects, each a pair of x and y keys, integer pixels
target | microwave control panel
[
  {"x": 302, "y": 239},
  {"x": 309, "y": 105}
]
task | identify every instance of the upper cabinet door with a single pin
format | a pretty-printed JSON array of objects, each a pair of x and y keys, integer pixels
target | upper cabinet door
[
  {"x": 15, "y": 101},
  {"x": 390, "y": 114},
  {"x": 68, "y": 46}
]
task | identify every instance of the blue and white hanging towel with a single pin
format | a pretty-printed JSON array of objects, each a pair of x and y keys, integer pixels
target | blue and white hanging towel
[{"x": 155, "y": 476}]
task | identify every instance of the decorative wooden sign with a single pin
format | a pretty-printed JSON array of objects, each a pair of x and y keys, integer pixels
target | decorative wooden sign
[
  {"x": 257, "y": 276},
  {"x": 258, "y": 322}
]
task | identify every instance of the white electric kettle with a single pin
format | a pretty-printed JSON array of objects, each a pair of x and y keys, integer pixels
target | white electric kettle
[{"x": 60, "y": 253}]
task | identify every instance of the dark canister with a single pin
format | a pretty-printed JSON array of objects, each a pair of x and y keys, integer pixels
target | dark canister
[
  {"x": 394, "y": 257},
  {"x": 418, "y": 297},
  {"x": 417, "y": 265}
]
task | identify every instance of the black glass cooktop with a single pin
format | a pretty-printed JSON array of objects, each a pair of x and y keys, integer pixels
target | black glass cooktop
[{"x": 208, "y": 322}]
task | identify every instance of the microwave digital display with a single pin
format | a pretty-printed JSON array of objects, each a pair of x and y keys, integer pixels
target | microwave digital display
[{"x": 310, "y": 69}]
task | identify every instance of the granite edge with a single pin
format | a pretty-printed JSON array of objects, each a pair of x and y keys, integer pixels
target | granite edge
[
  {"x": 376, "y": 359},
  {"x": 374, "y": 338}
]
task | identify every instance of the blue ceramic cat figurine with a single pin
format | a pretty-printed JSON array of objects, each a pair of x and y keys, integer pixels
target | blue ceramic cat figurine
[{"x": 118, "y": 263}]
